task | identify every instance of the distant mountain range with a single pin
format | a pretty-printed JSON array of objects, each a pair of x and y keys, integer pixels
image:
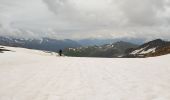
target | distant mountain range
[
  {"x": 122, "y": 49},
  {"x": 98, "y": 42},
  {"x": 39, "y": 44},
  {"x": 80, "y": 49},
  {"x": 108, "y": 50}
]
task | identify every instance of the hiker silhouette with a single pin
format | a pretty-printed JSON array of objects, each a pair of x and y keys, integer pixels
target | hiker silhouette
[{"x": 60, "y": 52}]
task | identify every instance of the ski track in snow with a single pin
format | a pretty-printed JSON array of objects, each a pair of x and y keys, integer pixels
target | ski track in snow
[{"x": 32, "y": 75}]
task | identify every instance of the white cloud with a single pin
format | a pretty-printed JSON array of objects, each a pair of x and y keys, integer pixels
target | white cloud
[{"x": 90, "y": 18}]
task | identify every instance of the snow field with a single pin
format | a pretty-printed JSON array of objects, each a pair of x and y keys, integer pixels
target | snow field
[{"x": 35, "y": 75}]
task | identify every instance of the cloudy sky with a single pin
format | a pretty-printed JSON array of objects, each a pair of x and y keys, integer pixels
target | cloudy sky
[{"x": 79, "y": 19}]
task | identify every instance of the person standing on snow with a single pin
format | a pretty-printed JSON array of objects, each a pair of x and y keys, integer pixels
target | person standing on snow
[{"x": 60, "y": 52}]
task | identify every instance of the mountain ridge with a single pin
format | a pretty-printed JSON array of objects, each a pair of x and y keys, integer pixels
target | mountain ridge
[
  {"x": 39, "y": 44},
  {"x": 155, "y": 47},
  {"x": 116, "y": 49}
]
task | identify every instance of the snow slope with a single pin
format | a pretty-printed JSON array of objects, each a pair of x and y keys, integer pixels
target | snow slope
[
  {"x": 35, "y": 75},
  {"x": 143, "y": 51}
]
